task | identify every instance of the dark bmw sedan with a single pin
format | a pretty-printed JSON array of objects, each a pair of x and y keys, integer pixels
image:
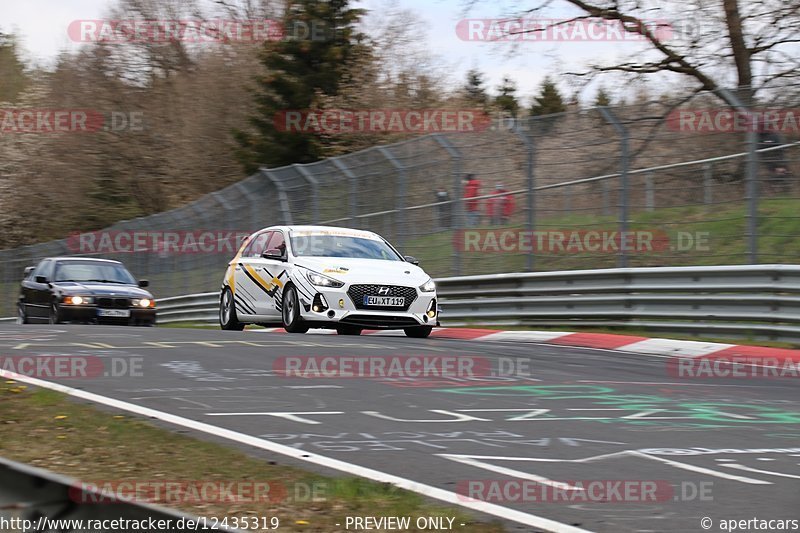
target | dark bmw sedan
[{"x": 73, "y": 289}]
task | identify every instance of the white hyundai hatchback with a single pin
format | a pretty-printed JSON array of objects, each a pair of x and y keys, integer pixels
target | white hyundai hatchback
[{"x": 302, "y": 277}]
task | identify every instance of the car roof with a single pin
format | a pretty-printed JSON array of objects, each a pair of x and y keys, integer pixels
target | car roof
[
  {"x": 313, "y": 228},
  {"x": 94, "y": 259}
]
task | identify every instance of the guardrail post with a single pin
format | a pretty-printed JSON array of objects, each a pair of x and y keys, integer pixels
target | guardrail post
[
  {"x": 282, "y": 196},
  {"x": 530, "y": 180},
  {"x": 303, "y": 171},
  {"x": 352, "y": 179},
  {"x": 622, "y": 131},
  {"x": 457, "y": 214},
  {"x": 400, "y": 198}
]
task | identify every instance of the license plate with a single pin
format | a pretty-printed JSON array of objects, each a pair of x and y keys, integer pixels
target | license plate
[
  {"x": 385, "y": 301},
  {"x": 114, "y": 313}
]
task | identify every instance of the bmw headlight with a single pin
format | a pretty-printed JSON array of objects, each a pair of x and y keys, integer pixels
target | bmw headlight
[
  {"x": 428, "y": 286},
  {"x": 78, "y": 300},
  {"x": 143, "y": 302},
  {"x": 323, "y": 281}
]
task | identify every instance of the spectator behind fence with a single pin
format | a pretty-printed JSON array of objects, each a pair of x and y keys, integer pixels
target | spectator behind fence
[
  {"x": 472, "y": 189},
  {"x": 500, "y": 208}
]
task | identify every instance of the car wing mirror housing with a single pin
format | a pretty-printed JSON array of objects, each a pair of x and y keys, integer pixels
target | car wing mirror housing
[
  {"x": 144, "y": 283},
  {"x": 273, "y": 253},
  {"x": 411, "y": 259}
]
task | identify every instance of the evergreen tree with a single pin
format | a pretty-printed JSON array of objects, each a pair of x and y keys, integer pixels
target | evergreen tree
[
  {"x": 474, "y": 91},
  {"x": 602, "y": 99},
  {"x": 507, "y": 100},
  {"x": 298, "y": 68},
  {"x": 549, "y": 100}
]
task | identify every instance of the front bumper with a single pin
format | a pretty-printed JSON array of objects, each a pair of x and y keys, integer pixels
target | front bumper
[
  {"x": 338, "y": 308},
  {"x": 88, "y": 313}
]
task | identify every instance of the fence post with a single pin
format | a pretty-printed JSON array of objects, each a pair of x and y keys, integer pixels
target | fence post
[
  {"x": 752, "y": 192},
  {"x": 303, "y": 171},
  {"x": 622, "y": 131},
  {"x": 650, "y": 197},
  {"x": 457, "y": 209},
  {"x": 708, "y": 192},
  {"x": 530, "y": 180},
  {"x": 353, "y": 181},
  {"x": 282, "y": 197},
  {"x": 752, "y": 170},
  {"x": 400, "y": 192}
]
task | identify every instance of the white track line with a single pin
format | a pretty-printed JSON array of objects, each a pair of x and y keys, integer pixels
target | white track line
[{"x": 356, "y": 470}]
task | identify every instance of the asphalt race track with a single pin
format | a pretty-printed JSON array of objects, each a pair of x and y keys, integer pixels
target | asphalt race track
[{"x": 717, "y": 448}]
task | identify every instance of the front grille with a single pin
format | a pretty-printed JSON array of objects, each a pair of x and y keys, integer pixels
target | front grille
[
  {"x": 380, "y": 321},
  {"x": 357, "y": 293},
  {"x": 114, "y": 303}
]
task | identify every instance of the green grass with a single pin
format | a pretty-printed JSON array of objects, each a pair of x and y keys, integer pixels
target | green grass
[{"x": 49, "y": 430}]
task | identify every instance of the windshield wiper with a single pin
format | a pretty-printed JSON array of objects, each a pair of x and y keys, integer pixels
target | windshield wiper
[{"x": 108, "y": 281}]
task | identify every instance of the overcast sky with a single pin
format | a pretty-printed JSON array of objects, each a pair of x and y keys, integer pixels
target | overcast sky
[{"x": 42, "y": 26}]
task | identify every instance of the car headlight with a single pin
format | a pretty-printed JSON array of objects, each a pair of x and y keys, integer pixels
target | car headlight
[
  {"x": 428, "y": 286},
  {"x": 78, "y": 300},
  {"x": 323, "y": 281},
  {"x": 143, "y": 302}
]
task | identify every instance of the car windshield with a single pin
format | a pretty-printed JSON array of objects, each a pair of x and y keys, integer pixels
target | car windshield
[
  {"x": 93, "y": 271},
  {"x": 323, "y": 245}
]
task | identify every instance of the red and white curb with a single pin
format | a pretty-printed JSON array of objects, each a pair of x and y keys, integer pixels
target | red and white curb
[{"x": 605, "y": 341}]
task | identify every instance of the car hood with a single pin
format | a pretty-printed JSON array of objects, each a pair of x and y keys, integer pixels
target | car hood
[
  {"x": 352, "y": 270},
  {"x": 101, "y": 289}
]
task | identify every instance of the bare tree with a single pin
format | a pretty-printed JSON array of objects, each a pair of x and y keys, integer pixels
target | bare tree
[{"x": 750, "y": 47}]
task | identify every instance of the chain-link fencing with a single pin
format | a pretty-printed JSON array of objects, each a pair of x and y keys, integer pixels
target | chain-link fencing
[{"x": 662, "y": 183}]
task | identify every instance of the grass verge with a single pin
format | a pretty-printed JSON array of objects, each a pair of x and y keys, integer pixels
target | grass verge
[{"x": 49, "y": 430}]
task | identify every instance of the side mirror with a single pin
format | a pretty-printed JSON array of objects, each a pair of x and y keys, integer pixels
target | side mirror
[
  {"x": 273, "y": 253},
  {"x": 28, "y": 270},
  {"x": 41, "y": 279},
  {"x": 411, "y": 259},
  {"x": 144, "y": 283}
]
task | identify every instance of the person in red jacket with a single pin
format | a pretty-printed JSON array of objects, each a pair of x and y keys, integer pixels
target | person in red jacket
[
  {"x": 500, "y": 208},
  {"x": 472, "y": 189}
]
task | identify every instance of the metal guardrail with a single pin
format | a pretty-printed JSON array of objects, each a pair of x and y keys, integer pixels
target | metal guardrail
[
  {"x": 759, "y": 302},
  {"x": 28, "y": 493}
]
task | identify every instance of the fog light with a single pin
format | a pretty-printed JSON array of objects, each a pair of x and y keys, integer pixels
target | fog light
[
  {"x": 431, "y": 312},
  {"x": 319, "y": 304},
  {"x": 341, "y": 303}
]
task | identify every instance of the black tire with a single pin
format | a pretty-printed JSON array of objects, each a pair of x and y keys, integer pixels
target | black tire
[
  {"x": 227, "y": 312},
  {"x": 292, "y": 322},
  {"x": 348, "y": 330},
  {"x": 22, "y": 317},
  {"x": 419, "y": 332},
  {"x": 54, "y": 317}
]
